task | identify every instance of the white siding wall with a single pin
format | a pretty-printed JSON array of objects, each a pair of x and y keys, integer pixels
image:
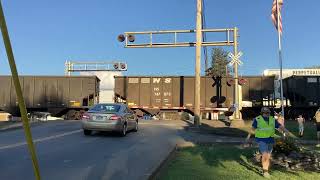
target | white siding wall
[{"x": 106, "y": 96}]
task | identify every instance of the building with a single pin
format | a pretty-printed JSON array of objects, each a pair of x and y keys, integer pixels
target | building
[
  {"x": 291, "y": 72},
  {"x": 106, "y": 94}
]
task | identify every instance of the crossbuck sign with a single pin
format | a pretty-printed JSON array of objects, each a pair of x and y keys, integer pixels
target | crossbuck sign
[{"x": 235, "y": 58}]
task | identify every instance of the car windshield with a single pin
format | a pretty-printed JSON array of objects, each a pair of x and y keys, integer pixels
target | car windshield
[{"x": 109, "y": 108}]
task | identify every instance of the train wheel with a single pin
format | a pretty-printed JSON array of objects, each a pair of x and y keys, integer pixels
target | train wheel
[{"x": 71, "y": 115}]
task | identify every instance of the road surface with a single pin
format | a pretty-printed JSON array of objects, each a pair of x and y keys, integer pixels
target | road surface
[{"x": 65, "y": 153}]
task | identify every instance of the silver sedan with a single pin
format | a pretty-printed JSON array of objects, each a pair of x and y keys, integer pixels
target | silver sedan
[{"x": 109, "y": 117}]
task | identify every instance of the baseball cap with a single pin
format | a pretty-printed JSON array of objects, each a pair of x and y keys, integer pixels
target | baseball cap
[{"x": 265, "y": 110}]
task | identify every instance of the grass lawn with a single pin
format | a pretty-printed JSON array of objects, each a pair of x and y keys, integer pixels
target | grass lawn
[
  {"x": 310, "y": 131},
  {"x": 222, "y": 162}
]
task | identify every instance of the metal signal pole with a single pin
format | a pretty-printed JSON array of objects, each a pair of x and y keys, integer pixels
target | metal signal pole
[
  {"x": 129, "y": 40},
  {"x": 236, "y": 85},
  {"x": 198, "y": 64}
]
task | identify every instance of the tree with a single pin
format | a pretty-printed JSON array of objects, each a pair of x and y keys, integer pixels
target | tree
[{"x": 219, "y": 62}]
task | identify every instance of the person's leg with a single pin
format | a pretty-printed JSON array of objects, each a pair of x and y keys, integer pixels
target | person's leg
[
  {"x": 265, "y": 151},
  {"x": 266, "y": 164},
  {"x": 300, "y": 130},
  {"x": 268, "y": 161},
  {"x": 265, "y": 161},
  {"x": 270, "y": 148}
]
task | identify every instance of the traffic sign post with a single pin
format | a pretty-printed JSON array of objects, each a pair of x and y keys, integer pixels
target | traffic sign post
[
  {"x": 235, "y": 58},
  {"x": 235, "y": 61}
]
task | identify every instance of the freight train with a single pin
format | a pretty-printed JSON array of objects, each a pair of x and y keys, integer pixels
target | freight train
[
  {"x": 176, "y": 93},
  {"x": 66, "y": 96},
  {"x": 70, "y": 96},
  {"x": 303, "y": 95}
]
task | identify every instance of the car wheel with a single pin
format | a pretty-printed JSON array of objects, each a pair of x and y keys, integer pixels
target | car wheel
[
  {"x": 124, "y": 130},
  {"x": 136, "y": 128},
  {"x": 87, "y": 132}
]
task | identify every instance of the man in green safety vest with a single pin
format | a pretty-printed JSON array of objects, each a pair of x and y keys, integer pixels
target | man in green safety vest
[{"x": 264, "y": 127}]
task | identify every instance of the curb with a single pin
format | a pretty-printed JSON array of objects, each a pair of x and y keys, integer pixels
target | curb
[
  {"x": 32, "y": 124},
  {"x": 11, "y": 126},
  {"x": 18, "y": 126},
  {"x": 156, "y": 172}
]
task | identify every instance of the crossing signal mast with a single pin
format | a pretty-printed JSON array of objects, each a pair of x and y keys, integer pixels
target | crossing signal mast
[
  {"x": 231, "y": 39},
  {"x": 73, "y": 66},
  {"x": 129, "y": 38}
]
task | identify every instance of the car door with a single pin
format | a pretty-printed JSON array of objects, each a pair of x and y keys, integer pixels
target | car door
[
  {"x": 130, "y": 118},
  {"x": 126, "y": 116},
  {"x": 133, "y": 118}
]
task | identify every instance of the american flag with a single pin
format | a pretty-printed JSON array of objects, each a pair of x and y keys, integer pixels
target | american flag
[{"x": 274, "y": 14}]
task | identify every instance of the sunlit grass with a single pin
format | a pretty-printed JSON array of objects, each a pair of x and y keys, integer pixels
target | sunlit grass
[{"x": 222, "y": 162}]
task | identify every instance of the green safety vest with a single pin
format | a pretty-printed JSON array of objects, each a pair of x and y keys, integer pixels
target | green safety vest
[{"x": 265, "y": 130}]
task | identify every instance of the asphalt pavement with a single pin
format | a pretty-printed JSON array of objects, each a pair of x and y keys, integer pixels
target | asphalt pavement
[{"x": 64, "y": 153}]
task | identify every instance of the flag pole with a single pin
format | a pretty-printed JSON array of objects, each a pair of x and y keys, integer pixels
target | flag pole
[{"x": 280, "y": 57}]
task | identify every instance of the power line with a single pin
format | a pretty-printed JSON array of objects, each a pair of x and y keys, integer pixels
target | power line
[{"x": 204, "y": 37}]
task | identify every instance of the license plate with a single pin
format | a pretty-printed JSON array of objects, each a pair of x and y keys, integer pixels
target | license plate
[{"x": 98, "y": 118}]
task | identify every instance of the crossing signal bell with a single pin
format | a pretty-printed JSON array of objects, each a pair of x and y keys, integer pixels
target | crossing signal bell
[
  {"x": 116, "y": 66},
  {"x": 242, "y": 81},
  {"x": 121, "y": 38},
  {"x": 120, "y": 66},
  {"x": 230, "y": 82},
  {"x": 123, "y": 66},
  {"x": 131, "y": 38}
]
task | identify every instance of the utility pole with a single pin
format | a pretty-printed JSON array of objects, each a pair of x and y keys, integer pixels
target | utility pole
[{"x": 197, "y": 91}]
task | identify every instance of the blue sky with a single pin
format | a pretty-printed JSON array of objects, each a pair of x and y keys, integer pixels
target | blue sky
[{"x": 46, "y": 33}]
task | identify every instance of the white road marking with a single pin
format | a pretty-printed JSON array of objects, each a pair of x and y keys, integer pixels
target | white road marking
[
  {"x": 175, "y": 125},
  {"x": 40, "y": 139},
  {"x": 67, "y": 161}
]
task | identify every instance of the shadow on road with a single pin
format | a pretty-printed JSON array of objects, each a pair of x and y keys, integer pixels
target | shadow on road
[{"x": 217, "y": 127}]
